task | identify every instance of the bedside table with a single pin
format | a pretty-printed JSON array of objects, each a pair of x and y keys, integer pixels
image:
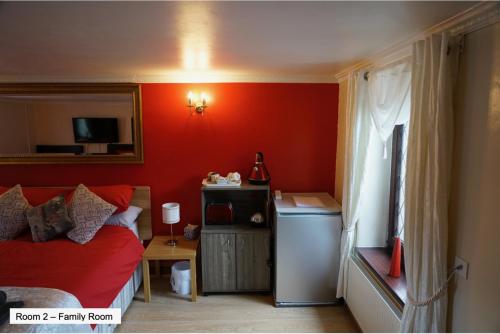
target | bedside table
[{"x": 159, "y": 250}]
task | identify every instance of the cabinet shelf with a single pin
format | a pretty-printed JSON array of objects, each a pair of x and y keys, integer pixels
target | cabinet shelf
[{"x": 232, "y": 229}]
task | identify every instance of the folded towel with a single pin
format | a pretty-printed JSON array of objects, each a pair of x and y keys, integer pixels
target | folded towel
[{"x": 5, "y": 310}]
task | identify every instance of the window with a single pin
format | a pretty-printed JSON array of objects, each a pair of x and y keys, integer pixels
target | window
[
  {"x": 381, "y": 212},
  {"x": 377, "y": 259},
  {"x": 397, "y": 186}
]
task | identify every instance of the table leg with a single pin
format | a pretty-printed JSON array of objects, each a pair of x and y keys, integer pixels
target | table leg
[
  {"x": 194, "y": 290},
  {"x": 145, "y": 278},
  {"x": 157, "y": 268}
]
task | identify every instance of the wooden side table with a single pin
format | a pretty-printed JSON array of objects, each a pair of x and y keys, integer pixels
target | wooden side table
[{"x": 159, "y": 250}]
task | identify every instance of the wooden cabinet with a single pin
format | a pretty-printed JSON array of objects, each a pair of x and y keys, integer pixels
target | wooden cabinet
[
  {"x": 235, "y": 259},
  {"x": 236, "y": 256},
  {"x": 252, "y": 265},
  {"x": 219, "y": 262}
]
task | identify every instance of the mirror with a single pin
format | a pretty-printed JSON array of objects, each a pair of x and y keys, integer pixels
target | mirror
[{"x": 70, "y": 123}]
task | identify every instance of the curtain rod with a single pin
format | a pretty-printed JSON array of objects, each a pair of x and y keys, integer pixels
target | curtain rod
[{"x": 474, "y": 18}]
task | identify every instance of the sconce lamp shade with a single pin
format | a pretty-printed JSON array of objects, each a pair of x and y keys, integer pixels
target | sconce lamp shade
[{"x": 171, "y": 213}]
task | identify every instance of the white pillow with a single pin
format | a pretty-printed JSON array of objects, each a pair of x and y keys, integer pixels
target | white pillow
[{"x": 125, "y": 218}]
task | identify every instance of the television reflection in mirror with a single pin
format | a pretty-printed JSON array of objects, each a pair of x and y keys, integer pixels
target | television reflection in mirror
[{"x": 70, "y": 123}]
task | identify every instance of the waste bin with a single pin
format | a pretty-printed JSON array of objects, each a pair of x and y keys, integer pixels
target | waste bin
[{"x": 180, "y": 278}]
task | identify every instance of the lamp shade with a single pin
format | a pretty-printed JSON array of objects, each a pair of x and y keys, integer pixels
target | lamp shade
[{"x": 171, "y": 213}]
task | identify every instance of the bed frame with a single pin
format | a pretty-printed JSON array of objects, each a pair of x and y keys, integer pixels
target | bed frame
[{"x": 141, "y": 198}]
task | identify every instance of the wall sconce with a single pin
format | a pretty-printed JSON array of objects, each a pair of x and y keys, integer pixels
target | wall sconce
[{"x": 198, "y": 102}]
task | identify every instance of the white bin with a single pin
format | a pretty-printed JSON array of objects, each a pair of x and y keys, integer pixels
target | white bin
[{"x": 180, "y": 278}]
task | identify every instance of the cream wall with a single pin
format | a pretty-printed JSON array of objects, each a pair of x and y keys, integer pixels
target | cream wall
[
  {"x": 339, "y": 164},
  {"x": 474, "y": 230},
  {"x": 14, "y": 137}
]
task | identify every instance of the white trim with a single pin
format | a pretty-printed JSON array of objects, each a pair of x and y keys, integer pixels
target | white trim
[
  {"x": 472, "y": 19},
  {"x": 487, "y": 13},
  {"x": 175, "y": 78}
]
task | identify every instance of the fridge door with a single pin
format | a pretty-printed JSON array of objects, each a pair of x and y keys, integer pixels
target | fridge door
[{"x": 307, "y": 259}]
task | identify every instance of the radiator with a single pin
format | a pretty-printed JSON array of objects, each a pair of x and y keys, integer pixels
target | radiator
[{"x": 370, "y": 309}]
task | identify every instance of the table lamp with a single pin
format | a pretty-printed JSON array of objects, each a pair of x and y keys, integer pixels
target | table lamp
[{"x": 171, "y": 215}]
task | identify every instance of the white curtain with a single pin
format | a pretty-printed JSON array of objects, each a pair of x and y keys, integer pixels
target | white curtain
[
  {"x": 427, "y": 184},
  {"x": 389, "y": 91},
  {"x": 357, "y": 135}
]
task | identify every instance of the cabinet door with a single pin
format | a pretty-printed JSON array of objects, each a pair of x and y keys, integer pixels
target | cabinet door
[
  {"x": 252, "y": 261},
  {"x": 219, "y": 262}
]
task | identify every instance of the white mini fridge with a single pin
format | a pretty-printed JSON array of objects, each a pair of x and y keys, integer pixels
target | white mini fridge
[{"x": 307, "y": 230}]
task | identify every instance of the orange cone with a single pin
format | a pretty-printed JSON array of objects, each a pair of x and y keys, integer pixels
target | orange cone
[{"x": 396, "y": 259}]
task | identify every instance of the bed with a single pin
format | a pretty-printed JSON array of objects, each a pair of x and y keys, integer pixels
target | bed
[{"x": 105, "y": 272}]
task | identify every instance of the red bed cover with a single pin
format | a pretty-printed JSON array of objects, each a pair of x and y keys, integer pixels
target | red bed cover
[{"x": 94, "y": 273}]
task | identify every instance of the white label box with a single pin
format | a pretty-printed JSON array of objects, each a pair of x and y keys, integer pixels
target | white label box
[{"x": 56, "y": 316}]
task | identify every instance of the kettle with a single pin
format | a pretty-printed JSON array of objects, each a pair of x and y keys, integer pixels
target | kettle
[{"x": 259, "y": 173}]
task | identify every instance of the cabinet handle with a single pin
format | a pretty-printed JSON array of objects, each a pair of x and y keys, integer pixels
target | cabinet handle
[
  {"x": 226, "y": 245},
  {"x": 241, "y": 244}
]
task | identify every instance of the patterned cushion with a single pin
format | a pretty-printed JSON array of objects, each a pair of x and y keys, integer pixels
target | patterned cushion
[
  {"x": 13, "y": 207},
  {"x": 88, "y": 212},
  {"x": 49, "y": 220}
]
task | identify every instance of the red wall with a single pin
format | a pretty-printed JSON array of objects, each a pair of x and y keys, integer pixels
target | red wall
[{"x": 295, "y": 125}]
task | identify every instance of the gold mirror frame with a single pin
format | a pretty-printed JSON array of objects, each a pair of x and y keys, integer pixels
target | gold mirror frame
[{"x": 81, "y": 88}]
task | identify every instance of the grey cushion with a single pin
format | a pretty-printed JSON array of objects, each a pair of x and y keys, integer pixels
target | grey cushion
[
  {"x": 49, "y": 220},
  {"x": 88, "y": 212},
  {"x": 125, "y": 218},
  {"x": 13, "y": 207}
]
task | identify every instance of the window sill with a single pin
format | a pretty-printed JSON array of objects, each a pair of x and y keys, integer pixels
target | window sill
[{"x": 378, "y": 261}]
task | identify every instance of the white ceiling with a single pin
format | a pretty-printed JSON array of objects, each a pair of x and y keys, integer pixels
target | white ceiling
[{"x": 202, "y": 41}]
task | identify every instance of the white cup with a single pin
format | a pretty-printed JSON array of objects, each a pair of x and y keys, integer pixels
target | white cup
[{"x": 235, "y": 177}]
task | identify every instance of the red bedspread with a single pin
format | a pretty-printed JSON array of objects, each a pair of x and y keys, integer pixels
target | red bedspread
[{"x": 94, "y": 273}]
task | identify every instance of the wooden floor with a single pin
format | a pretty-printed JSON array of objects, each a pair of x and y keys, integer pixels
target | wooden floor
[{"x": 168, "y": 312}]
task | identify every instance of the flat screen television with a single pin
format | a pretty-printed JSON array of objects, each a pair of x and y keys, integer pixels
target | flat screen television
[{"x": 95, "y": 130}]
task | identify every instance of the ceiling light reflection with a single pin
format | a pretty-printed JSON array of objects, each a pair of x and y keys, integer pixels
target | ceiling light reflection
[{"x": 194, "y": 24}]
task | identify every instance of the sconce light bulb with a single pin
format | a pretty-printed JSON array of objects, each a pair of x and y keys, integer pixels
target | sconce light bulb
[
  {"x": 204, "y": 98},
  {"x": 197, "y": 101}
]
